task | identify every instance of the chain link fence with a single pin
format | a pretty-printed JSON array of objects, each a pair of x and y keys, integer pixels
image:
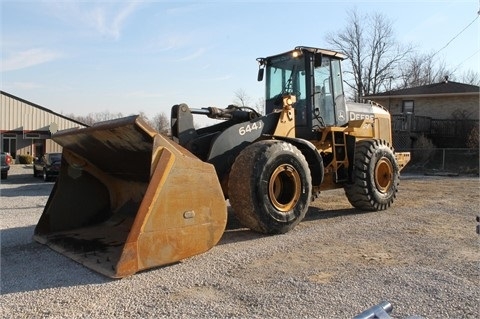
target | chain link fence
[{"x": 443, "y": 160}]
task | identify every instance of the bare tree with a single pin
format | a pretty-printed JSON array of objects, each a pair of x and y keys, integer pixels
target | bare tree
[
  {"x": 105, "y": 116},
  {"x": 241, "y": 98},
  {"x": 161, "y": 123},
  {"x": 471, "y": 77},
  {"x": 93, "y": 118},
  {"x": 88, "y": 119},
  {"x": 369, "y": 43},
  {"x": 351, "y": 42},
  {"x": 421, "y": 69},
  {"x": 260, "y": 105},
  {"x": 144, "y": 117},
  {"x": 413, "y": 71}
]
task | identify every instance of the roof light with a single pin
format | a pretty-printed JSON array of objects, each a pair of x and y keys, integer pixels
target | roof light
[{"x": 296, "y": 53}]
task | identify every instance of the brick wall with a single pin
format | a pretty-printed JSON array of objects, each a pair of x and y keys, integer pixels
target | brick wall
[{"x": 435, "y": 107}]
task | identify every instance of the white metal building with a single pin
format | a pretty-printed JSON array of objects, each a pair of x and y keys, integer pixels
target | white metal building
[{"x": 26, "y": 128}]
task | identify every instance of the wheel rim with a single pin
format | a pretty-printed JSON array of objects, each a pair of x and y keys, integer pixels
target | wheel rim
[
  {"x": 284, "y": 188},
  {"x": 383, "y": 175}
]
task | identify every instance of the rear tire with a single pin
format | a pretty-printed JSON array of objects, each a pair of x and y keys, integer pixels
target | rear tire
[
  {"x": 375, "y": 176},
  {"x": 270, "y": 187}
]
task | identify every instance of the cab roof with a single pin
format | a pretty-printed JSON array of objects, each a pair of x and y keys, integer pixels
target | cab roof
[{"x": 330, "y": 53}]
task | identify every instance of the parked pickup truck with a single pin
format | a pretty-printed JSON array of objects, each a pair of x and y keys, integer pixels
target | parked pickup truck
[{"x": 6, "y": 160}]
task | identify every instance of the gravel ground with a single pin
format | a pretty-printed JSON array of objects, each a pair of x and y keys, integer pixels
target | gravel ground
[{"x": 421, "y": 255}]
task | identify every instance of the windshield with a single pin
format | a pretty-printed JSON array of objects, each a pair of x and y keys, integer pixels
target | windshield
[
  {"x": 55, "y": 157},
  {"x": 285, "y": 74}
]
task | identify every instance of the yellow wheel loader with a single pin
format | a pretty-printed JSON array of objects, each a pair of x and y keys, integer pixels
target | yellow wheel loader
[{"x": 128, "y": 198}]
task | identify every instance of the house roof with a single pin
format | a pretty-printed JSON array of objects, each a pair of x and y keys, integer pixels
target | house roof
[
  {"x": 436, "y": 89},
  {"x": 42, "y": 108}
]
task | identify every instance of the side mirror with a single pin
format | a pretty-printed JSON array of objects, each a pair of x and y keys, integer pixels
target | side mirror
[{"x": 260, "y": 74}]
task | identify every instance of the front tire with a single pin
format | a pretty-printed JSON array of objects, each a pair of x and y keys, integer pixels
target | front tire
[
  {"x": 270, "y": 187},
  {"x": 376, "y": 176}
]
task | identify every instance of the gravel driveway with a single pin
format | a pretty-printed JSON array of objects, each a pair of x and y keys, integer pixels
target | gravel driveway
[{"x": 421, "y": 255}]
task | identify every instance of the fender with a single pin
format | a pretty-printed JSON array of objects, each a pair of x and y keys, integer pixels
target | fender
[
  {"x": 226, "y": 145},
  {"x": 313, "y": 157}
]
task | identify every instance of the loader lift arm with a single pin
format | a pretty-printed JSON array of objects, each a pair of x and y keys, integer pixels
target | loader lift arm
[
  {"x": 183, "y": 129},
  {"x": 241, "y": 113}
]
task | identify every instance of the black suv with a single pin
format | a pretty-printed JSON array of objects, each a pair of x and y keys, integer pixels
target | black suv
[{"x": 47, "y": 166}]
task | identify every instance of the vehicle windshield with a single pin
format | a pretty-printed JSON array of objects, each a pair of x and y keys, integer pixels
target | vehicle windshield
[
  {"x": 55, "y": 157},
  {"x": 285, "y": 74}
]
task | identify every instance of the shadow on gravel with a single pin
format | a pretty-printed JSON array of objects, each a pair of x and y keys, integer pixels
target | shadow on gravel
[
  {"x": 315, "y": 213},
  {"x": 24, "y": 179},
  {"x": 34, "y": 189},
  {"x": 19, "y": 179},
  {"x": 236, "y": 232},
  {"x": 29, "y": 266}
]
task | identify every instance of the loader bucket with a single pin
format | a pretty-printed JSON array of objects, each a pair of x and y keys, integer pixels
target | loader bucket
[{"x": 128, "y": 199}]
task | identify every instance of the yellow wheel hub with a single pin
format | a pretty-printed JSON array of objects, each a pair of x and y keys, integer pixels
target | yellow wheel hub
[
  {"x": 383, "y": 175},
  {"x": 284, "y": 187}
]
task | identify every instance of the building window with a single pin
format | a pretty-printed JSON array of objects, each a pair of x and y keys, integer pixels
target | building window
[{"x": 407, "y": 106}]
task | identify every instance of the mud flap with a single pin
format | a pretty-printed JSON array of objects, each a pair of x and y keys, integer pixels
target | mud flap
[{"x": 129, "y": 199}]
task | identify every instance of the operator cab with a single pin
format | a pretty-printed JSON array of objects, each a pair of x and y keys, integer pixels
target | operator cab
[{"x": 314, "y": 77}]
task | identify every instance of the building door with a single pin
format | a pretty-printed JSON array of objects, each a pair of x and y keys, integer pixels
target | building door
[
  {"x": 39, "y": 148},
  {"x": 9, "y": 144}
]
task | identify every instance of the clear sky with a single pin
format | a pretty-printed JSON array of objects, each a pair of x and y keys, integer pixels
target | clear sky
[{"x": 86, "y": 57}]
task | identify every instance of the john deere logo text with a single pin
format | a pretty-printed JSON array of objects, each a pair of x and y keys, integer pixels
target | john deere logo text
[{"x": 361, "y": 116}]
